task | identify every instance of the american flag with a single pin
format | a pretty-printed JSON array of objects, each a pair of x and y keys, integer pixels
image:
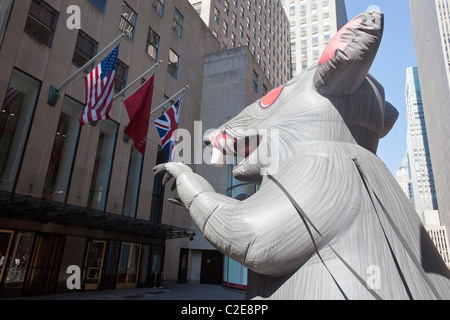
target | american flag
[
  {"x": 167, "y": 124},
  {"x": 11, "y": 94},
  {"x": 100, "y": 89}
]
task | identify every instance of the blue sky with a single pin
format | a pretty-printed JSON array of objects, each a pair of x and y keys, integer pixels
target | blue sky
[{"x": 395, "y": 55}]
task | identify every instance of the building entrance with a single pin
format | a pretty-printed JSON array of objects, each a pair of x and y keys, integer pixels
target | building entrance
[
  {"x": 127, "y": 276},
  {"x": 94, "y": 264},
  {"x": 212, "y": 267},
  {"x": 44, "y": 267}
]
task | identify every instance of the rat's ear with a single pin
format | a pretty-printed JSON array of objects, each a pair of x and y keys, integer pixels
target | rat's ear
[
  {"x": 348, "y": 57},
  {"x": 390, "y": 118}
]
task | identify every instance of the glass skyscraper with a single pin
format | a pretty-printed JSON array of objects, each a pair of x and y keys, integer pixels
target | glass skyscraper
[
  {"x": 431, "y": 38},
  {"x": 422, "y": 181}
]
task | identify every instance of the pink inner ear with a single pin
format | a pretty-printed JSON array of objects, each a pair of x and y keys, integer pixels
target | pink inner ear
[
  {"x": 339, "y": 41},
  {"x": 271, "y": 97}
]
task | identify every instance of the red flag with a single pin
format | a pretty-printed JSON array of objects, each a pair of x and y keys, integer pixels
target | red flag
[{"x": 139, "y": 106}]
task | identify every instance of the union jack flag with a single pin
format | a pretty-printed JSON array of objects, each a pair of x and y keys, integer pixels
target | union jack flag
[
  {"x": 100, "y": 89},
  {"x": 167, "y": 124}
]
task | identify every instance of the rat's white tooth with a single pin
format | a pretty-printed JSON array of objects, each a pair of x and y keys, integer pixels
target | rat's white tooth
[
  {"x": 230, "y": 146},
  {"x": 222, "y": 143},
  {"x": 217, "y": 158}
]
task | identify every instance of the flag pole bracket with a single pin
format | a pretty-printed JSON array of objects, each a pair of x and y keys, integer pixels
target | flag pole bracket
[{"x": 53, "y": 96}]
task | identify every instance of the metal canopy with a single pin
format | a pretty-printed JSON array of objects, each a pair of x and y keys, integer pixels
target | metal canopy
[{"x": 17, "y": 206}]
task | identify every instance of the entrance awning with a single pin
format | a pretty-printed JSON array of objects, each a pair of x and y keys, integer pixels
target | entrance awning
[{"x": 22, "y": 207}]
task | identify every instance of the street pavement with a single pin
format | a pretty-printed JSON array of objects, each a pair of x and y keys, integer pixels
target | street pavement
[{"x": 168, "y": 292}]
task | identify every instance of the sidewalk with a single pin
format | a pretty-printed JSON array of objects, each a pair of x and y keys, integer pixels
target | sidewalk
[{"x": 168, "y": 292}]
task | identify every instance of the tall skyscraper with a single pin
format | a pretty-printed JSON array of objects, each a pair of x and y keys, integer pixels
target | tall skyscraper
[
  {"x": 403, "y": 177},
  {"x": 432, "y": 68},
  {"x": 261, "y": 25},
  {"x": 422, "y": 180},
  {"x": 313, "y": 25},
  {"x": 443, "y": 11}
]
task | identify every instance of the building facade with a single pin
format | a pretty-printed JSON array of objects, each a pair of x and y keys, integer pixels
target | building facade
[
  {"x": 261, "y": 25},
  {"x": 435, "y": 88},
  {"x": 83, "y": 196},
  {"x": 422, "y": 180},
  {"x": 438, "y": 234},
  {"x": 443, "y": 11},
  {"x": 313, "y": 23}
]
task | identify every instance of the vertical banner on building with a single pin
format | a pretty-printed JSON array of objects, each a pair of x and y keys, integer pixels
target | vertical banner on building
[{"x": 139, "y": 106}]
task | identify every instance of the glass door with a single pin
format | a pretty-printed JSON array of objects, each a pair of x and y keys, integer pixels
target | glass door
[
  {"x": 94, "y": 264},
  {"x": 5, "y": 245},
  {"x": 44, "y": 267},
  {"x": 130, "y": 256},
  {"x": 183, "y": 265},
  {"x": 17, "y": 264}
]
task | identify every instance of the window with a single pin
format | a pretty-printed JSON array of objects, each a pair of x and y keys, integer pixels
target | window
[
  {"x": 158, "y": 192},
  {"x": 178, "y": 23},
  {"x": 103, "y": 165},
  {"x": 41, "y": 22},
  {"x": 225, "y": 29},
  {"x": 121, "y": 76},
  {"x": 128, "y": 20},
  {"x": 6, "y": 6},
  {"x": 85, "y": 49},
  {"x": 99, "y": 4},
  {"x": 172, "y": 68},
  {"x": 133, "y": 183},
  {"x": 255, "y": 81},
  {"x": 226, "y": 7},
  {"x": 153, "y": 44},
  {"x": 15, "y": 120},
  {"x": 159, "y": 6},
  {"x": 63, "y": 152},
  {"x": 216, "y": 15}
]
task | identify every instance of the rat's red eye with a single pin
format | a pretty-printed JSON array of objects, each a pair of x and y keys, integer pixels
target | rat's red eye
[{"x": 271, "y": 97}]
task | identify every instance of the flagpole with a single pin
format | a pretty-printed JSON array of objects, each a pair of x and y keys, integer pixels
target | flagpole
[
  {"x": 89, "y": 63},
  {"x": 137, "y": 79},
  {"x": 54, "y": 92},
  {"x": 168, "y": 100}
]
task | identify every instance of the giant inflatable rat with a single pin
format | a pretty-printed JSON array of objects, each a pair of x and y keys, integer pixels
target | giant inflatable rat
[{"x": 329, "y": 221}]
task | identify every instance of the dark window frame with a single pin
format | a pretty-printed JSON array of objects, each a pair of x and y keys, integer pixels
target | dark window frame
[{"x": 41, "y": 22}]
